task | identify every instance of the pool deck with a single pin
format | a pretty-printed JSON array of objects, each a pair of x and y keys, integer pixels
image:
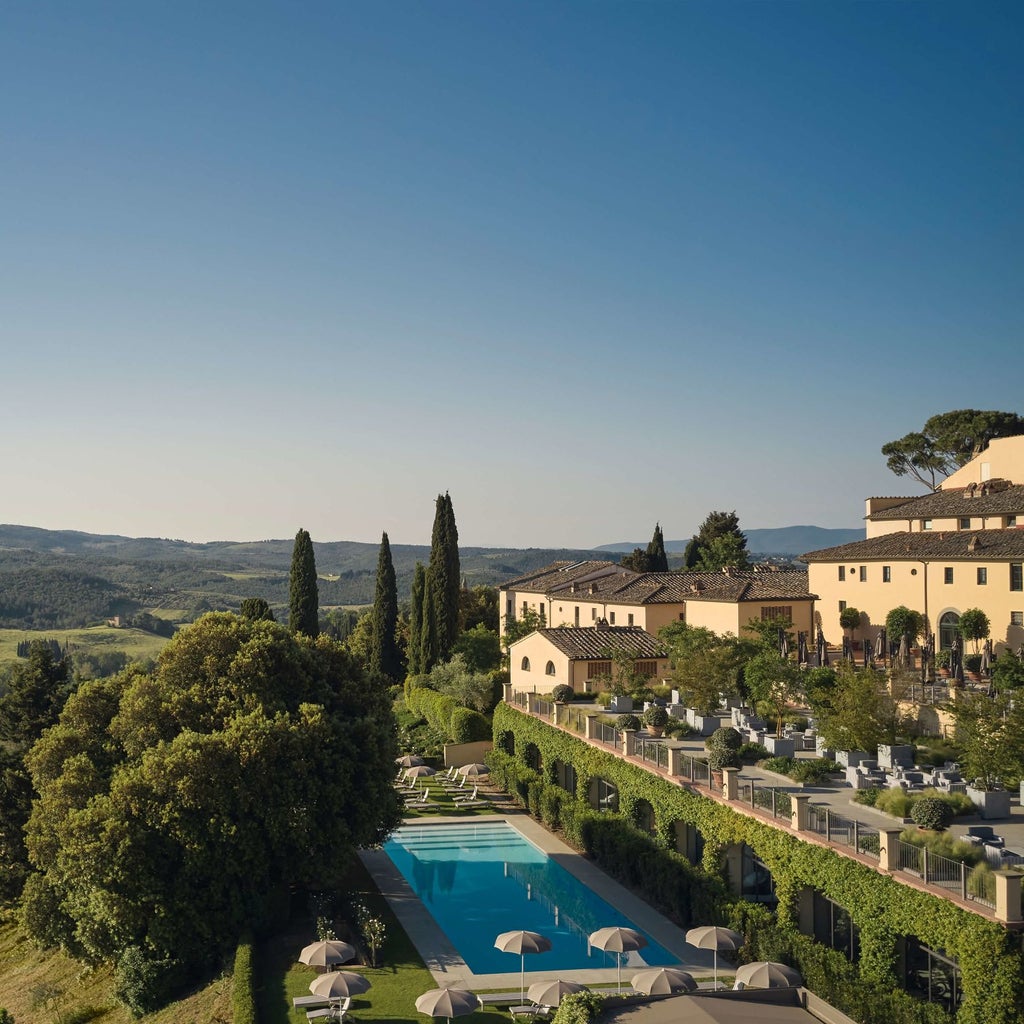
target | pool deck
[{"x": 448, "y": 968}]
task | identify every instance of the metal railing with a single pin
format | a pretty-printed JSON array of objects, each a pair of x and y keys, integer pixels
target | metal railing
[
  {"x": 956, "y": 876},
  {"x": 843, "y": 831},
  {"x": 541, "y": 707},
  {"x": 770, "y": 799},
  {"x": 607, "y": 734},
  {"x": 652, "y": 752}
]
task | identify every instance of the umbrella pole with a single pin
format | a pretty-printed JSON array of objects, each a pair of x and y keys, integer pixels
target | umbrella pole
[
  {"x": 716, "y": 969},
  {"x": 522, "y": 977},
  {"x": 618, "y": 973}
]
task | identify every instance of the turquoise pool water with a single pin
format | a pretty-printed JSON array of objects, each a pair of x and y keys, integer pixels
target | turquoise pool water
[{"x": 479, "y": 880}]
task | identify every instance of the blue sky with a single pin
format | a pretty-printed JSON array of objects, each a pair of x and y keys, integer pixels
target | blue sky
[{"x": 586, "y": 266}]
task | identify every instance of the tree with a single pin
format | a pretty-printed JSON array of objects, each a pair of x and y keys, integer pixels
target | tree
[
  {"x": 773, "y": 684},
  {"x": 465, "y": 686},
  {"x": 385, "y": 658},
  {"x": 719, "y": 543},
  {"x": 256, "y": 608},
  {"x": 639, "y": 561},
  {"x": 443, "y": 580},
  {"x": 428, "y": 627},
  {"x": 949, "y": 440},
  {"x": 861, "y": 711},
  {"x": 704, "y": 666},
  {"x": 849, "y": 618},
  {"x": 990, "y": 734},
  {"x": 177, "y": 809},
  {"x": 528, "y": 621},
  {"x": 413, "y": 653},
  {"x": 656, "y": 551},
  {"x": 904, "y": 621},
  {"x": 304, "y": 600},
  {"x": 479, "y": 605},
  {"x": 974, "y": 626},
  {"x": 481, "y": 647}
]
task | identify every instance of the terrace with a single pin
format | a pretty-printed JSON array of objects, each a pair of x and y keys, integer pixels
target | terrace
[{"x": 825, "y": 816}]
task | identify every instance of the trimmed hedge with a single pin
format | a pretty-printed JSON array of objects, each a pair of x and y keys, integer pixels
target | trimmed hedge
[
  {"x": 243, "y": 995},
  {"x": 989, "y": 957},
  {"x": 446, "y": 715}
]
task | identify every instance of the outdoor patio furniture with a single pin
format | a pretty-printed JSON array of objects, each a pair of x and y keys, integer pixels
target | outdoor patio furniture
[
  {"x": 467, "y": 799},
  {"x": 310, "y": 1002},
  {"x": 531, "y": 1010},
  {"x": 984, "y": 834}
]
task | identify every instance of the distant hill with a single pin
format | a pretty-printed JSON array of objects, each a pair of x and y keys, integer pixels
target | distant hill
[
  {"x": 784, "y": 540},
  {"x": 53, "y": 579}
]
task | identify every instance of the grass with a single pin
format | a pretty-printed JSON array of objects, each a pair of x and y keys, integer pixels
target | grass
[
  {"x": 135, "y": 642},
  {"x": 47, "y": 987},
  {"x": 395, "y": 985},
  {"x": 444, "y": 803}
]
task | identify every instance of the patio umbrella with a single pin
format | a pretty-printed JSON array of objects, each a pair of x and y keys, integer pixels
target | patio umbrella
[
  {"x": 549, "y": 993},
  {"x": 822, "y": 649},
  {"x": 447, "y": 1002},
  {"x": 474, "y": 770},
  {"x": 617, "y": 940},
  {"x": 409, "y": 760},
  {"x": 420, "y": 771},
  {"x": 662, "y": 981},
  {"x": 338, "y": 984},
  {"x": 522, "y": 942},
  {"x": 717, "y": 938},
  {"x": 765, "y": 974},
  {"x": 325, "y": 952}
]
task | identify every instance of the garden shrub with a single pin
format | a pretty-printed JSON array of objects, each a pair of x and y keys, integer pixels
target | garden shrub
[
  {"x": 468, "y": 726},
  {"x": 627, "y": 721},
  {"x": 723, "y": 757},
  {"x": 563, "y": 693},
  {"x": 579, "y": 1008},
  {"x": 931, "y": 813},
  {"x": 894, "y": 801},
  {"x": 779, "y": 765},
  {"x": 867, "y": 797},
  {"x": 656, "y": 716},
  {"x": 942, "y": 844},
  {"x": 243, "y": 999},
  {"x": 144, "y": 983},
  {"x": 678, "y": 727},
  {"x": 813, "y": 770},
  {"x": 751, "y": 753},
  {"x": 726, "y": 737}
]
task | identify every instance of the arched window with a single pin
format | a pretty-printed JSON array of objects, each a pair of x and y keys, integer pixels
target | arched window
[
  {"x": 949, "y": 627},
  {"x": 549, "y": 668},
  {"x": 531, "y": 755},
  {"x": 602, "y": 795},
  {"x": 643, "y": 817},
  {"x": 525, "y": 665}
]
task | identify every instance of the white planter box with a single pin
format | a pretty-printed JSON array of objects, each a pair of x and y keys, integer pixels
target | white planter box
[{"x": 991, "y": 803}]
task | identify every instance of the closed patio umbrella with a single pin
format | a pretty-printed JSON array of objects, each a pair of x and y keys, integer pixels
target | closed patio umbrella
[
  {"x": 717, "y": 938},
  {"x": 662, "y": 981},
  {"x": 522, "y": 942},
  {"x": 325, "y": 952},
  {"x": 617, "y": 940},
  {"x": 549, "y": 993},
  {"x": 765, "y": 974},
  {"x": 880, "y": 645},
  {"x": 447, "y": 1002},
  {"x": 339, "y": 984}
]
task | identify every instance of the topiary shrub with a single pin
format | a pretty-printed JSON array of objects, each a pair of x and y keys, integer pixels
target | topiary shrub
[
  {"x": 468, "y": 726},
  {"x": 932, "y": 813},
  {"x": 563, "y": 693},
  {"x": 656, "y": 716},
  {"x": 624, "y": 722},
  {"x": 722, "y": 757},
  {"x": 726, "y": 737}
]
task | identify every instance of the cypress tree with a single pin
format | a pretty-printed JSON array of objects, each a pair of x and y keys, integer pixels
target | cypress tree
[
  {"x": 304, "y": 600},
  {"x": 414, "y": 652},
  {"x": 444, "y": 576},
  {"x": 385, "y": 659},
  {"x": 656, "y": 557},
  {"x": 428, "y": 626}
]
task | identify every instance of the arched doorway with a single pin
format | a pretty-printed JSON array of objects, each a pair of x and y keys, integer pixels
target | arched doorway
[{"x": 949, "y": 627}]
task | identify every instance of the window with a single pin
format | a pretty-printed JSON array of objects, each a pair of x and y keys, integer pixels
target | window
[
  {"x": 611, "y": 618},
  {"x": 599, "y": 669},
  {"x": 525, "y": 664},
  {"x": 646, "y": 669},
  {"x": 540, "y": 608},
  {"x": 576, "y": 615},
  {"x": 833, "y": 928},
  {"x": 862, "y": 573},
  {"x": 510, "y": 608},
  {"x": 756, "y": 884},
  {"x": 525, "y": 606},
  {"x": 565, "y": 776},
  {"x": 947, "y": 574},
  {"x": 769, "y": 613},
  {"x": 1017, "y": 618},
  {"x": 643, "y": 817},
  {"x": 1016, "y": 576},
  {"x": 629, "y": 619},
  {"x": 887, "y": 574},
  {"x": 1011, "y": 522},
  {"x": 842, "y": 573},
  {"x": 603, "y": 796},
  {"x": 965, "y": 522},
  {"x": 949, "y": 629},
  {"x": 842, "y": 606},
  {"x": 926, "y": 524},
  {"x": 930, "y": 975},
  {"x": 549, "y": 668},
  {"x": 982, "y": 577},
  {"x": 593, "y": 615}
]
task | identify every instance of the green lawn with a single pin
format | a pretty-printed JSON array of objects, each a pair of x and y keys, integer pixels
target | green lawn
[
  {"x": 395, "y": 984},
  {"x": 135, "y": 642}
]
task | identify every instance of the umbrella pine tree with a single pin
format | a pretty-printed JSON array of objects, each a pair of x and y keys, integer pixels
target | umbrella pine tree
[{"x": 303, "y": 598}]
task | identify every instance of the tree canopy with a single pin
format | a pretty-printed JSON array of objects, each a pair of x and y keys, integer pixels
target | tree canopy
[
  {"x": 442, "y": 588},
  {"x": 717, "y": 544},
  {"x": 948, "y": 441},
  {"x": 176, "y": 808},
  {"x": 651, "y": 559},
  {"x": 385, "y": 656}
]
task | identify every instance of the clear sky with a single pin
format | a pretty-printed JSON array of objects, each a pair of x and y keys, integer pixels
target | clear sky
[{"x": 583, "y": 265}]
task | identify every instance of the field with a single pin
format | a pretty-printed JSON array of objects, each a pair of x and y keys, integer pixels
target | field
[{"x": 134, "y": 642}]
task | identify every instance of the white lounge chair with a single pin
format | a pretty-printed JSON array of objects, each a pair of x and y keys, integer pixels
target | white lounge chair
[{"x": 467, "y": 799}]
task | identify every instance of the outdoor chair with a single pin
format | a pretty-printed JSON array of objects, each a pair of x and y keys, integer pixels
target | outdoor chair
[
  {"x": 421, "y": 801},
  {"x": 531, "y": 1010},
  {"x": 984, "y": 834},
  {"x": 467, "y": 799}
]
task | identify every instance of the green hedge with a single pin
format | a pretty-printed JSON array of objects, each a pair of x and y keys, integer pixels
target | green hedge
[
  {"x": 445, "y": 715},
  {"x": 243, "y": 995},
  {"x": 990, "y": 958}
]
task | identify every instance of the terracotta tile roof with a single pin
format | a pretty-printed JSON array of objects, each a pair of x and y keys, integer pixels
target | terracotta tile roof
[
  {"x": 558, "y": 574},
  {"x": 604, "y": 641},
  {"x": 676, "y": 587},
  {"x": 955, "y": 503},
  {"x": 975, "y": 545}
]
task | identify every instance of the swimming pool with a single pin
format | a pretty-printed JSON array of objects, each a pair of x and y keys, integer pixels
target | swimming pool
[{"x": 478, "y": 880}]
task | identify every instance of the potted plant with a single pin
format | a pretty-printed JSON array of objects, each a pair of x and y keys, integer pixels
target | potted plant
[
  {"x": 655, "y": 718},
  {"x": 942, "y": 663},
  {"x": 627, "y": 722},
  {"x": 930, "y": 814},
  {"x": 972, "y": 667}
]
